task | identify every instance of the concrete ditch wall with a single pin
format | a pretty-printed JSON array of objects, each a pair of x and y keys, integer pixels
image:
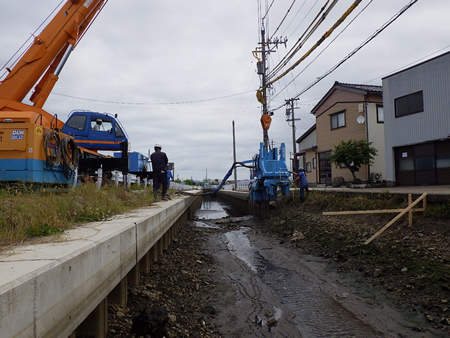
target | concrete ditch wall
[
  {"x": 241, "y": 200},
  {"x": 61, "y": 289},
  {"x": 236, "y": 198}
]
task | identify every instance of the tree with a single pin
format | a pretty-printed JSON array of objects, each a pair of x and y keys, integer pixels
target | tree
[
  {"x": 189, "y": 182},
  {"x": 353, "y": 154}
]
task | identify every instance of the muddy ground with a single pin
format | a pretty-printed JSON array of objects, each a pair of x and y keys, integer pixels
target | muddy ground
[{"x": 306, "y": 275}]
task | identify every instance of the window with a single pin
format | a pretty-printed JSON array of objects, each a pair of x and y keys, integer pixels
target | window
[
  {"x": 118, "y": 131},
  {"x": 77, "y": 122},
  {"x": 308, "y": 167},
  {"x": 101, "y": 124},
  {"x": 443, "y": 161},
  {"x": 409, "y": 104},
  {"x": 314, "y": 163},
  {"x": 380, "y": 114},
  {"x": 338, "y": 120}
]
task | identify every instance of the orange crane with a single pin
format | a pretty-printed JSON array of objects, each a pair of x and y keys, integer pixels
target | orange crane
[
  {"x": 44, "y": 60},
  {"x": 32, "y": 146}
]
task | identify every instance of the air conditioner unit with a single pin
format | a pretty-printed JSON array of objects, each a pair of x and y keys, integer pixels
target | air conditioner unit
[{"x": 377, "y": 177}]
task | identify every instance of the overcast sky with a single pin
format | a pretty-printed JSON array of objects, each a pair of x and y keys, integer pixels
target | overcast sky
[{"x": 179, "y": 72}]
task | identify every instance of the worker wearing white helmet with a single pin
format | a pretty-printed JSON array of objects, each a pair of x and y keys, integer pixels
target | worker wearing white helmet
[{"x": 159, "y": 163}]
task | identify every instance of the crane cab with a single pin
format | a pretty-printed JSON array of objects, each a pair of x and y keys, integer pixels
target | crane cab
[{"x": 96, "y": 131}]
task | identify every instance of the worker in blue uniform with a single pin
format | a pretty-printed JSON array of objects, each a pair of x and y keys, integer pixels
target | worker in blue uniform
[
  {"x": 169, "y": 178},
  {"x": 169, "y": 175},
  {"x": 303, "y": 182}
]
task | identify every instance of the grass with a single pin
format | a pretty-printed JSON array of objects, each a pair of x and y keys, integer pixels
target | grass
[
  {"x": 25, "y": 213},
  {"x": 330, "y": 201}
]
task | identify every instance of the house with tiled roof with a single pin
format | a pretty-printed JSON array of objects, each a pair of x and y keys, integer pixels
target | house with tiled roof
[{"x": 347, "y": 112}]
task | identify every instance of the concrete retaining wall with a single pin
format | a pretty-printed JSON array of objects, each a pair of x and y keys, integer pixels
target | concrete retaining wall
[
  {"x": 241, "y": 200},
  {"x": 236, "y": 198},
  {"x": 49, "y": 289}
]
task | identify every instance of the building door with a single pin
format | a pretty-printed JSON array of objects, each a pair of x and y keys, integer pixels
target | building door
[
  {"x": 443, "y": 162},
  {"x": 324, "y": 168},
  {"x": 404, "y": 166},
  {"x": 424, "y": 164}
]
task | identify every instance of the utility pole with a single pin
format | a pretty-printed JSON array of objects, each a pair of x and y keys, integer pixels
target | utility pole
[
  {"x": 261, "y": 66},
  {"x": 234, "y": 159},
  {"x": 290, "y": 117},
  {"x": 262, "y": 71}
]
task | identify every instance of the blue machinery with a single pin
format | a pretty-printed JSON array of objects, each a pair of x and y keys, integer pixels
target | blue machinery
[{"x": 268, "y": 173}]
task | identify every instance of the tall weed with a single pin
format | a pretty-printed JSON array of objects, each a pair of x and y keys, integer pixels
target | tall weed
[{"x": 26, "y": 213}]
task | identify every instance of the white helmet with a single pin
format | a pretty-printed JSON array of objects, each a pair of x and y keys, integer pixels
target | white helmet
[{"x": 157, "y": 145}]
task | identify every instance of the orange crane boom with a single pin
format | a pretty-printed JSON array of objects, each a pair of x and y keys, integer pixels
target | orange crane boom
[
  {"x": 32, "y": 146},
  {"x": 45, "y": 57}
]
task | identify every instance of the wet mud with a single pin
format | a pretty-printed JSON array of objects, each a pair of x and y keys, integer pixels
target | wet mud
[{"x": 267, "y": 288}]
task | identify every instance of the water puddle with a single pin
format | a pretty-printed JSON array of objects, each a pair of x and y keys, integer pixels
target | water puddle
[
  {"x": 211, "y": 209},
  {"x": 205, "y": 225},
  {"x": 240, "y": 246}
]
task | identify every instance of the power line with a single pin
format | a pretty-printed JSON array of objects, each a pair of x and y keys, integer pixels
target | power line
[
  {"x": 276, "y": 30},
  {"x": 267, "y": 12},
  {"x": 331, "y": 42},
  {"x": 304, "y": 17},
  {"x": 378, "y": 31},
  {"x": 318, "y": 43},
  {"x": 315, "y": 23},
  {"x": 147, "y": 103},
  {"x": 370, "y": 38},
  {"x": 407, "y": 65}
]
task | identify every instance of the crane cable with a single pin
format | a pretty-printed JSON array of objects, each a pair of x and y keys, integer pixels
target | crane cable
[
  {"x": 52, "y": 147},
  {"x": 70, "y": 156},
  {"x": 259, "y": 94}
]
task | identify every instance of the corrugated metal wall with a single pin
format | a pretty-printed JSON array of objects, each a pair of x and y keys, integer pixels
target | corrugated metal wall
[{"x": 433, "y": 78}]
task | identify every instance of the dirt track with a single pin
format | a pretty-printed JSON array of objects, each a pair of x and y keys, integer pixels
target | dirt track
[{"x": 269, "y": 289}]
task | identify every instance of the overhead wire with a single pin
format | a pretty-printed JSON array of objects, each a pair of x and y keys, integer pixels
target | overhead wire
[
  {"x": 370, "y": 38},
  {"x": 301, "y": 21},
  {"x": 317, "y": 44},
  {"x": 315, "y": 23},
  {"x": 331, "y": 42},
  {"x": 407, "y": 65},
  {"x": 276, "y": 30},
  {"x": 249, "y": 81},
  {"x": 148, "y": 103},
  {"x": 267, "y": 12}
]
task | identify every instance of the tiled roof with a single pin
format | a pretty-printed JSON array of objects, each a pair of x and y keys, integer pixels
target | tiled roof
[{"x": 369, "y": 88}]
